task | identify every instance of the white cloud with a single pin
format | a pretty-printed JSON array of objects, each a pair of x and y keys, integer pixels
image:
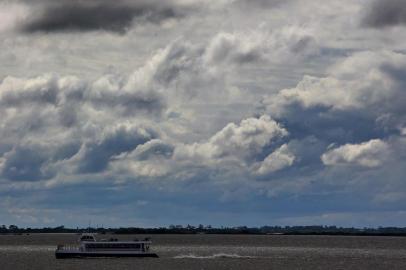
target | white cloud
[
  {"x": 367, "y": 82},
  {"x": 151, "y": 159},
  {"x": 234, "y": 149},
  {"x": 368, "y": 154},
  {"x": 278, "y": 160},
  {"x": 233, "y": 48},
  {"x": 63, "y": 125},
  {"x": 240, "y": 142},
  {"x": 11, "y": 14},
  {"x": 287, "y": 43}
]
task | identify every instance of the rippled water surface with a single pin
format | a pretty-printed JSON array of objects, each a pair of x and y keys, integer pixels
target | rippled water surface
[{"x": 191, "y": 252}]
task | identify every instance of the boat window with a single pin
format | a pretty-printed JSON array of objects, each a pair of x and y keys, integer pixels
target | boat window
[
  {"x": 87, "y": 238},
  {"x": 113, "y": 246}
]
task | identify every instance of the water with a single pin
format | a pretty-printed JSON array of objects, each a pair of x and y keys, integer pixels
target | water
[{"x": 218, "y": 252}]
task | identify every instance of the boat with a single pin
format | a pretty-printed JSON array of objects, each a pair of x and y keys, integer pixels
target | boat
[{"x": 90, "y": 247}]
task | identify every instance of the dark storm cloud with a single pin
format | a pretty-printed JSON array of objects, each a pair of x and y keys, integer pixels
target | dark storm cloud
[
  {"x": 98, "y": 154},
  {"x": 81, "y": 16},
  {"x": 24, "y": 164},
  {"x": 331, "y": 126},
  {"x": 71, "y": 108},
  {"x": 130, "y": 103},
  {"x": 34, "y": 162},
  {"x": 65, "y": 151},
  {"x": 48, "y": 90},
  {"x": 385, "y": 13},
  {"x": 260, "y": 3},
  {"x": 39, "y": 92},
  {"x": 154, "y": 148}
]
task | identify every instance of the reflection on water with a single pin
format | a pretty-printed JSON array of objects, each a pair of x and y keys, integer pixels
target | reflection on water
[
  {"x": 27, "y": 248},
  {"x": 215, "y": 256},
  {"x": 214, "y": 252}
]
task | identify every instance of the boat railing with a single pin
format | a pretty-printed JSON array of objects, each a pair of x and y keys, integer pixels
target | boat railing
[{"x": 67, "y": 247}]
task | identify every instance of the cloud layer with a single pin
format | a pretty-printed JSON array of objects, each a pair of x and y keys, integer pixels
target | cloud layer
[
  {"x": 368, "y": 154},
  {"x": 204, "y": 111},
  {"x": 386, "y": 13},
  {"x": 82, "y": 16}
]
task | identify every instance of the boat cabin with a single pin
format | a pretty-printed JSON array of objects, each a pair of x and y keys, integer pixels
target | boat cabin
[
  {"x": 91, "y": 247},
  {"x": 116, "y": 246},
  {"x": 87, "y": 237},
  {"x": 89, "y": 243}
]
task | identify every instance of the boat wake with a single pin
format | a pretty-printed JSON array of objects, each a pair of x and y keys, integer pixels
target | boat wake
[{"x": 214, "y": 256}]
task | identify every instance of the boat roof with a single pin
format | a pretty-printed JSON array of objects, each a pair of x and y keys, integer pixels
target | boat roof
[
  {"x": 85, "y": 236},
  {"x": 122, "y": 242}
]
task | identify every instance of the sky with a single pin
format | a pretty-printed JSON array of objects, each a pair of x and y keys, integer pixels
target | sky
[{"x": 221, "y": 112}]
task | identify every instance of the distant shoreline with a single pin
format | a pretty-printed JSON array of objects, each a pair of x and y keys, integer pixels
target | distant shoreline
[
  {"x": 292, "y": 234},
  {"x": 178, "y": 229}
]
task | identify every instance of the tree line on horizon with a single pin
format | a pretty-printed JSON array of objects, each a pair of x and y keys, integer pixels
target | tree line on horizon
[{"x": 201, "y": 229}]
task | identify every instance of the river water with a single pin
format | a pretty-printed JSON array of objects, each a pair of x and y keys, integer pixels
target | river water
[{"x": 245, "y": 252}]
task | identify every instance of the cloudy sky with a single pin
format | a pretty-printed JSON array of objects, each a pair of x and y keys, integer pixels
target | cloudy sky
[{"x": 221, "y": 112}]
